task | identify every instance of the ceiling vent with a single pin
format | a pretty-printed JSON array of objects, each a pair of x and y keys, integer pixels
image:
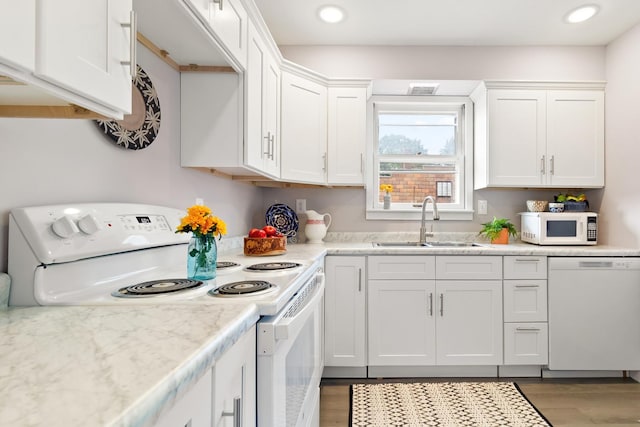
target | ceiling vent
[{"x": 422, "y": 88}]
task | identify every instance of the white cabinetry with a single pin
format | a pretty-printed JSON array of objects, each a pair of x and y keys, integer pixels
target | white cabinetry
[
  {"x": 346, "y": 138},
  {"x": 262, "y": 107},
  {"x": 78, "y": 51},
  {"x": 536, "y": 135},
  {"x": 227, "y": 22},
  {"x": 193, "y": 409},
  {"x": 18, "y": 24},
  {"x": 525, "y": 310},
  {"x": 304, "y": 129},
  {"x": 235, "y": 384},
  {"x": 442, "y": 310},
  {"x": 345, "y": 316}
]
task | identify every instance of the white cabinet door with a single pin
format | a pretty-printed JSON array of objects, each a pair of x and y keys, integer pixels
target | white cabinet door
[
  {"x": 80, "y": 46},
  {"x": 517, "y": 140},
  {"x": 235, "y": 378},
  {"x": 304, "y": 130},
  {"x": 262, "y": 107},
  {"x": 228, "y": 20},
  {"x": 525, "y": 300},
  {"x": 193, "y": 409},
  {"x": 344, "y": 308},
  {"x": 469, "y": 322},
  {"x": 526, "y": 344},
  {"x": 347, "y": 118},
  {"x": 401, "y": 316},
  {"x": 575, "y": 138},
  {"x": 18, "y": 25}
]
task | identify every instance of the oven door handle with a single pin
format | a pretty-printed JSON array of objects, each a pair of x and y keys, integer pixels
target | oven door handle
[{"x": 287, "y": 326}]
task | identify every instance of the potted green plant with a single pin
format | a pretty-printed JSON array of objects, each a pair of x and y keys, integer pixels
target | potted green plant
[{"x": 498, "y": 230}]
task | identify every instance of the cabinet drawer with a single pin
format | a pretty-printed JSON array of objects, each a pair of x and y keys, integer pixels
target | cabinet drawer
[
  {"x": 469, "y": 267},
  {"x": 525, "y": 300},
  {"x": 526, "y": 344},
  {"x": 401, "y": 267},
  {"x": 525, "y": 267}
]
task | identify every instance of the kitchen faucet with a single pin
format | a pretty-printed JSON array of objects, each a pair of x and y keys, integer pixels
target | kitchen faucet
[{"x": 436, "y": 216}]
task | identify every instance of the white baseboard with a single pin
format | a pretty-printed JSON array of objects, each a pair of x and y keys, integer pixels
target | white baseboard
[{"x": 490, "y": 371}]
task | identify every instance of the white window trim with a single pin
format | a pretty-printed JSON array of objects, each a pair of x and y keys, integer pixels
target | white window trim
[{"x": 375, "y": 213}]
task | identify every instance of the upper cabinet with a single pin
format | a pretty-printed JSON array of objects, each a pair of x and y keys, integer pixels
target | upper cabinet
[
  {"x": 227, "y": 21},
  {"x": 304, "y": 129},
  {"x": 81, "y": 52},
  {"x": 346, "y": 134},
  {"x": 323, "y": 129},
  {"x": 539, "y": 135},
  {"x": 262, "y": 107}
]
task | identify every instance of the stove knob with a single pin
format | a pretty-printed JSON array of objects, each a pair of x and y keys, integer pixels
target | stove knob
[
  {"x": 89, "y": 224},
  {"x": 64, "y": 227}
]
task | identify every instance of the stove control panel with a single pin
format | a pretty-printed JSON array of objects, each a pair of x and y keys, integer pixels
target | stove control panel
[{"x": 63, "y": 233}]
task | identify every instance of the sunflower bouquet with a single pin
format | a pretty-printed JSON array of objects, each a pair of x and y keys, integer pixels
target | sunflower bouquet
[{"x": 387, "y": 188}]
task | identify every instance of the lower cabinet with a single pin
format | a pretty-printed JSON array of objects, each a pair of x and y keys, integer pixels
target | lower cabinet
[
  {"x": 345, "y": 316},
  {"x": 422, "y": 318},
  {"x": 234, "y": 384},
  {"x": 431, "y": 322},
  {"x": 225, "y": 396},
  {"x": 526, "y": 329}
]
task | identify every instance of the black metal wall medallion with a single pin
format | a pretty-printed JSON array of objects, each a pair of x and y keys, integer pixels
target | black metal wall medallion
[{"x": 140, "y": 128}]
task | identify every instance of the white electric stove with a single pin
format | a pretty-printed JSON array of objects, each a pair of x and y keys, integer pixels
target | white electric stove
[{"x": 84, "y": 254}]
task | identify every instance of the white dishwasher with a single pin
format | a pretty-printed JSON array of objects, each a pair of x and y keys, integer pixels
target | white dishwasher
[{"x": 594, "y": 313}]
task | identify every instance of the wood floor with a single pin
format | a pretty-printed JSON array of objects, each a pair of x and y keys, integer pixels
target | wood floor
[{"x": 574, "y": 403}]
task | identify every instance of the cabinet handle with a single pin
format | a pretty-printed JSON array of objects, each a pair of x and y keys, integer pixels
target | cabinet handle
[
  {"x": 527, "y": 329},
  {"x": 527, "y": 286},
  {"x": 270, "y": 145},
  {"x": 430, "y": 303},
  {"x": 552, "y": 165},
  {"x": 359, "y": 280},
  {"x": 361, "y": 163},
  {"x": 237, "y": 412},
  {"x": 219, "y": 3},
  {"x": 133, "y": 29},
  {"x": 542, "y": 165},
  {"x": 324, "y": 162},
  {"x": 527, "y": 260},
  {"x": 273, "y": 146},
  {"x": 441, "y": 305}
]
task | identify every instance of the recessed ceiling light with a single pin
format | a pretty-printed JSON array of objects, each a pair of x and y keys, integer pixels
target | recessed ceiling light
[
  {"x": 582, "y": 13},
  {"x": 331, "y": 14}
]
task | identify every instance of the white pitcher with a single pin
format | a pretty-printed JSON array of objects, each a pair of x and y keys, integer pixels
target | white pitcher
[{"x": 316, "y": 227}]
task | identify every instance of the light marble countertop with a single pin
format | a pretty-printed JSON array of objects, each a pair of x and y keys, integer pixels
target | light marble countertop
[
  {"x": 120, "y": 365},
  {"x": 108, "y": 365}
]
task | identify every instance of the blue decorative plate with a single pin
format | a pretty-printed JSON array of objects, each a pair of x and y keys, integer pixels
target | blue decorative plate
[{"x": 284, "y": 219}]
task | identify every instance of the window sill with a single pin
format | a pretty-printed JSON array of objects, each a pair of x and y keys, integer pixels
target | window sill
[{"x": 408, "y": 215}]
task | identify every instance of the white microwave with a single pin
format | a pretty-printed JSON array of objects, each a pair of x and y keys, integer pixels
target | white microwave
[{"x": 566, "y": 228}]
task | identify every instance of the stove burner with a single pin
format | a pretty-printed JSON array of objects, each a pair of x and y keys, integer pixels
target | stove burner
[
  {"x": 245, "y": 287},
  {"x": 272, "y": 266},
  {"x": 226, "y": 264},
  {"x": 156, "y": 287}
]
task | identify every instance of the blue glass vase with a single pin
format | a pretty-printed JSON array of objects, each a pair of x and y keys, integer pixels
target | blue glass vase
[{"x": 202, "y": 254}]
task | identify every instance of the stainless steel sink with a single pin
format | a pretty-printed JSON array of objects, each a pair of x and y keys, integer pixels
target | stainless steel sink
[
  {"x": 427, "y": 244},
  {"x": 397, "y": 244}
]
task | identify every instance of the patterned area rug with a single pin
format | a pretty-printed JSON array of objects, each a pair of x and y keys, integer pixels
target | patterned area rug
[{"x": 451, "y": 404}]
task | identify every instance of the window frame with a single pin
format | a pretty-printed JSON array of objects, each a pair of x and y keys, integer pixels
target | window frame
[{"x": 374, "y": 209}]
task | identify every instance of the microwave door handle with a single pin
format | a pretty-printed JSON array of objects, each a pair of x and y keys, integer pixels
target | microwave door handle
[{"x": 287, "y": 327}]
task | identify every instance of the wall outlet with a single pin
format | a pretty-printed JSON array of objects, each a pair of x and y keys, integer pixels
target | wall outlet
[
  {"x": 301, "y": 205},
  {"x": 482, "y": 207},
  {"x": 199, "y": 201}
]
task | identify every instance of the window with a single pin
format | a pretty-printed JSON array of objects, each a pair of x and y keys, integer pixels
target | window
[{"x": 421, "y": 147}]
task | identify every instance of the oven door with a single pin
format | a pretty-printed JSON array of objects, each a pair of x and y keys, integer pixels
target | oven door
[{"x": 290, "y": 360}]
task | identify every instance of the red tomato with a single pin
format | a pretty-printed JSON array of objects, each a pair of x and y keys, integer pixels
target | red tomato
[
  {"x": 256, "y": 232},
  {"x": 270, "y": 230}
]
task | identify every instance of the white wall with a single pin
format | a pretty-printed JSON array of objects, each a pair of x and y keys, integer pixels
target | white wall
[
  {"x": 452, "y": 62},
  {"x": 621, "y": 199},
  {"x": 347, "y": 206},
  {"x": 48, "y": 161}
]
